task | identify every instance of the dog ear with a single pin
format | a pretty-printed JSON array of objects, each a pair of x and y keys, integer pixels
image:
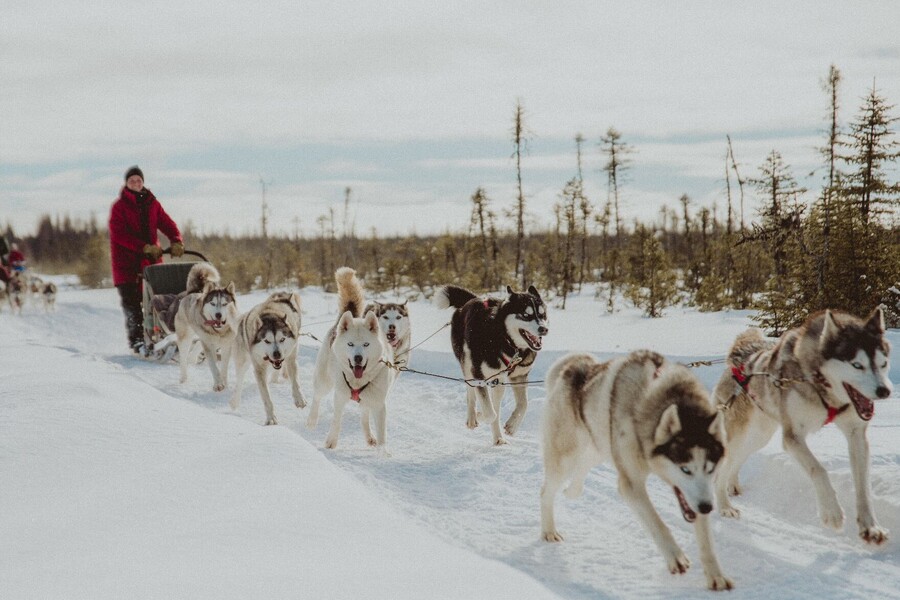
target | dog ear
[
  {"x": 717, "y": 427},
  {"x": 230, "y": 288},
  {"x": 405, "y": 301},
  {"x": 875, "y": 324},
  {"x": 371, "y": 321},
  {"x": 533, "y": 291},
  {"x": 669, "y": 425},
  {"x": 830, "y": 329},
  {"x": 345, "y": 321},
  {"x": 509, "y": 291},
  {"x": 295, "y": 300}
]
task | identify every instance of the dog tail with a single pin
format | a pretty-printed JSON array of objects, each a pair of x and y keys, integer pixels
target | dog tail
[
  {"x": 746, "y": 345},
  {"x": 451, "y": 295},
  {"x": 199, "y": 275},
  {"x": 350, "y": 292}
]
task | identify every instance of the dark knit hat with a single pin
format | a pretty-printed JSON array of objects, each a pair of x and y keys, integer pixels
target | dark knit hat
[{"x": 135, "y": 170}]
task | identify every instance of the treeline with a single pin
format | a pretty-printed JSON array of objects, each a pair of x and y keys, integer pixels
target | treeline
[{"x": 804, "y": 250}]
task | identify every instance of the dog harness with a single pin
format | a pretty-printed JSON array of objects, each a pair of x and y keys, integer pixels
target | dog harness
[
  {"x": 743, "y": 379},
  {"x": 354, "y": 393}
]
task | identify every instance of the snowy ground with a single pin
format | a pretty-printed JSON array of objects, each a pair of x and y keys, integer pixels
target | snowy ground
[{"x": 117, "y": 482}]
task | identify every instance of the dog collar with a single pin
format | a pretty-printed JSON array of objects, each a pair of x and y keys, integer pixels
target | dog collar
[{"x": 354, "y": 392}]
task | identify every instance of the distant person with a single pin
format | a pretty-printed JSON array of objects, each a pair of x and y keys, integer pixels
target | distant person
[
  {"x": 134, "y": 220},
  {"x": 4, "y": 252},
  {"x": 16, "y": 258}
]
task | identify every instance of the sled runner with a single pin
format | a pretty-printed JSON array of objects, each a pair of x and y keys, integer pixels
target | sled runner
[{"x": 163, "y": 283}]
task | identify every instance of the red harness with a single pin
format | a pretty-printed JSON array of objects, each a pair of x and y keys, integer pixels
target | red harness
[
  {"x": 354, "y": 393},
  {"x": 743, "y": 380}
]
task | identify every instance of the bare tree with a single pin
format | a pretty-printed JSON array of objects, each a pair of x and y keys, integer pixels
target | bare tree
[
  {"x": 520, "y": 141},
  {"x": 617, "y": 162}
]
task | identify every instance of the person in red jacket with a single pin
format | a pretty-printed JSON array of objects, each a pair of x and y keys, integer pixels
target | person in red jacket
[
  {"x": 134, "y": 219},
  {"x": 16, "y": 258}
]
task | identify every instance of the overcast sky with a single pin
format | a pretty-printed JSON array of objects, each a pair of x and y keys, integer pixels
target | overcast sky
[{"x": 410, "y": 104}]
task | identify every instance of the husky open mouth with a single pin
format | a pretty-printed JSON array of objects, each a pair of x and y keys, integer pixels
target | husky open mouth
[
  {"x": 358, "y": 370},
  {"x": 533, "y": 341},
  {"x": 215, "y": 324},
  {"x": 865, "y": 408},
  {"x": 276, "y": 362},
  {"x": 392, "y": 339},
  {"x": 689, "y": 515}
]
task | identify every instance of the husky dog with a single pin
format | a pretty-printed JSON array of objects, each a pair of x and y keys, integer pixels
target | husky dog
[
  {"x": 493, "y": 337},
  {"x": 208, "y": 313},
  {"x": 16, "y": 291},
  {"x": 351, "y": 362},
  {"x": 646, "y": 416},
  {"x": 393, "y": 318},
  {"x": 267, "y": 336},
  {"x": 48, "y": 294},
  {"x": 831, "y": 368}
]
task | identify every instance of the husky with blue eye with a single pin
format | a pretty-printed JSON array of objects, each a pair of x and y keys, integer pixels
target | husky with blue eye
[
  {"x": 645, "y": 416},
  {"x": 354, "y": 362},
  {"x": 497, "y": 339},
  {"x": 831, "y": 369}
]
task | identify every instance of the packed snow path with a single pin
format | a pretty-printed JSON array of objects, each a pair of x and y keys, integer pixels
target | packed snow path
[{"x": 439, "y": 477}]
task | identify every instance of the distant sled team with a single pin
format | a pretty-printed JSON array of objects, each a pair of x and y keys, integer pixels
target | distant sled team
[{"x": 641, "y": 413}]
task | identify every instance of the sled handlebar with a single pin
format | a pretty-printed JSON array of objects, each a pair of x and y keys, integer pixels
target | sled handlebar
[{"x": 190, "y": 252}]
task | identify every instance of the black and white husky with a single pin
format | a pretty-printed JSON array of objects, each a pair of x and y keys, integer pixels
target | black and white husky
[
  {"x": 830, "y": 369},
  {"x": 496, "y": 339},
  {"x": 646, "y": 416},
  {"x": 208, "y": 313},
  {"x": 266, "y": 337}
]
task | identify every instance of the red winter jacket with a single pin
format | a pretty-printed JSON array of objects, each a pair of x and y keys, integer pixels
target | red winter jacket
[{"x": 127, "y": 237}]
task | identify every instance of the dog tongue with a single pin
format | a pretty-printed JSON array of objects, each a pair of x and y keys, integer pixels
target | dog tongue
[
  {"x": 358, "y": 371},
  {"x": 865, "y": 407}
]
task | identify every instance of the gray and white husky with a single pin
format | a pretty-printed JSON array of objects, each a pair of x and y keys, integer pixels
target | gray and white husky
[
  {"x": 393, "y": 319},
  {"x": 646, "y": 416},
  {"x": 352, "y": 363},
  {"x": 497, "y": 339},
  {"x": 208, "y": 313},
  {"x": 266, "y": 337},
  {"x": 830, "y": 369}
]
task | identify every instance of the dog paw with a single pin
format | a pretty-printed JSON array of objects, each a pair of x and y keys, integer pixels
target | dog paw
[
  {"x": 874, "y": 535},
  {"x": 832, "y": 516},
  {"x": 472, "y": 423},
  {"x": 219, "y": 387},
  {"x": 300, "y": 403},
  {"x": 510, "y": 428},
  {"x": 553, "y": 537},
  {"x": 330, "y": 444},
  {"x": 678, "y": 563},
  {"x": 271, "y": 421},
  {"x": 730, "y": 512},
  {"x": 500, "y": 442},
  {"x": 371, "y": 441},
  {"x": 719, "y": 583},
  {"x": 734, "y": 490}
]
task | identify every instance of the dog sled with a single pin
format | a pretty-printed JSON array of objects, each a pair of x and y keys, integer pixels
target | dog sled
[{"x": 163, "y": 284}]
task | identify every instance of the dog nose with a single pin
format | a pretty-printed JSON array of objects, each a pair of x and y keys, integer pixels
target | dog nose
[
  {"x": 705, "y": 508},
  {"x": 392, "y": 327},
  {"x": 357, "y": 359},
  {"x": 882, "y": 391},
  {"x": 543, "y": 330},
  {"x": 276, "y": 355},
  {"x": 218, "y": 316}
]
